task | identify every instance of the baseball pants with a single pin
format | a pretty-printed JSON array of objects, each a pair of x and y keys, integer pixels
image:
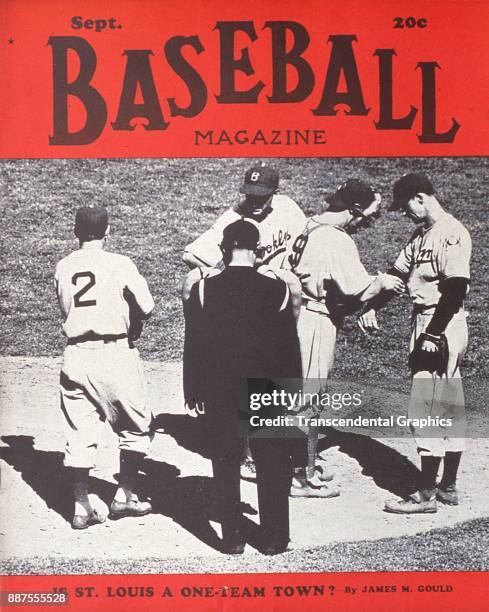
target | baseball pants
[
  {"x": 440, "y": 396},
  {"x": 102, "y": 382},
  {"x": 317, "y": 338}
]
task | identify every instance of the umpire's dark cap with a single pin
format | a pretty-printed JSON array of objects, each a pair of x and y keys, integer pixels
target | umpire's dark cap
[
  {"x": 353, "y": 191},
  {"x": 260, "y": 181},
  {"x": 407, "y": 187},
  {"x": 241, "y": 234},
  {"x": 91, "y": 222}
]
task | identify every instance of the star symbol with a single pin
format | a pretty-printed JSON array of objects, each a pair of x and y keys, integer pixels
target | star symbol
[{"x": 11, "y": 41}]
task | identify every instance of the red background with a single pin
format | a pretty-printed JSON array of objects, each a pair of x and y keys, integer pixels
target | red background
[
  {"x": 455, "y": 38},
  {"x": 470, "y": 591}
]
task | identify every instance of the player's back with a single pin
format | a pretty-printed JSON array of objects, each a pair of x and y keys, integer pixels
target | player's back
[
  {"x": 314, "y": 258},
  {"x": 90, "y": 283}
]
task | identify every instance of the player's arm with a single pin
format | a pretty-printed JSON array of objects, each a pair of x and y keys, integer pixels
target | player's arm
[
  {"x": 195, "y": 357},
  {"x": 454, "y": 266},
  {"x": 205, "y": 250},
  {"x": 137, "y": 287},
  {"x": 293, "y": 285},
  {"x": 453, "y": 291},
  {"x": 367, "y": 321},
  {"x": 64, "y": 299},
  {"x": 192, "y": 261},
  {"x": 280, "y": 334},
  {"x": 140, "y": 301},
  {"x": 189, "y": 281},
  {"x": 385, "y": 295},
  {"x": 384, "y": 284},
  {"x": 353, "y": 281},
  {"x": 194, "y": 276},
  {"x": 430, "y": 350}
]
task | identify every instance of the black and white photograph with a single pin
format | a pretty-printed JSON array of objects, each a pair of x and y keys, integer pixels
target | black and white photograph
[{"x": 139, "y": 295}]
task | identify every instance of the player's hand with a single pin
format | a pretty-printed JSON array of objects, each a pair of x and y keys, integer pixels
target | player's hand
[
  {"x": 194, "y": 409},
  {"x": 368, "y": 322},
  {"x": 391, "y": 283},
  {"x": 429, "y": 346}
]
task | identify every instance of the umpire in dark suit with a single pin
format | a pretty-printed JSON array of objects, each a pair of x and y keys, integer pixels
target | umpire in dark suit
[{"x": 240, "y": 326}]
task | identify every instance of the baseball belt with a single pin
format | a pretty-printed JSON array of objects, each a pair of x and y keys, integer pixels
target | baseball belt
[
  {"x": 90, "y": 341},
  {"x": 314, "y": 306}
]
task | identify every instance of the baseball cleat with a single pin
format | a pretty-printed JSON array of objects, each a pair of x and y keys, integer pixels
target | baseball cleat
[
  {"x": 447, "y": 495},
  {"x": 83, "y": 521},
  {"x": 133, "y": 507},
  {"x": 316, "y": 481},
  {"x": 309, "y": 490},
  {"x": 417, "y": 503},
  {"x": 248, "y": 470},
  {"x": 322, "y": 473}
]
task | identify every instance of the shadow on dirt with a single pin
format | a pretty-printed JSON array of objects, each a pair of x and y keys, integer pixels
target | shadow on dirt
[
  {"x": 44, "y": 472},
  {"x": 187, "y": 432},
  {"x": 389, "y": 469},
  {"x": 191, "y": 501},
  {"x": 194, "y": 501}
]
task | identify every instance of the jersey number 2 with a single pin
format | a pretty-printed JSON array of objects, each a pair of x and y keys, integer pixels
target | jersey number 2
[{"x": 78, "y": 295}]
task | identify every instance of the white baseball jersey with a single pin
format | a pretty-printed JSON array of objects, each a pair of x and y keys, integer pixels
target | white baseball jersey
[
  {"x": 277, "y": 230},
  {"x": 90, "y": 283},
  {"x": 325, "y": 259},
  {"x": 432, "y": 255}
]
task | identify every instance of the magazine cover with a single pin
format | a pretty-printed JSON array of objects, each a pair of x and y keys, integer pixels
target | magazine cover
[{"x": 244, "y": 305}]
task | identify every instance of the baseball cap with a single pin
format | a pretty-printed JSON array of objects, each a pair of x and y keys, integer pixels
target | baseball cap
[
  {"x": 260, "y": 181},
  {"x": 91, "y": 222},
  {"x": 353, "y": 191},
  {"x": 241, "y": 234},
  {"x": 408, "y": 186}
]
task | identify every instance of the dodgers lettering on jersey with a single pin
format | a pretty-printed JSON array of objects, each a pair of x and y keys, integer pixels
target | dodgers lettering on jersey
[
  {"x": 432, "y": 255},
  {"x": 326, "y": 261},
  {"x": 90, "y": 284},
  {"x": 277, "y": 230}
]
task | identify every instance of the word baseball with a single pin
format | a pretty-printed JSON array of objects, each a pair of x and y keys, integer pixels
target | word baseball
[{"x": 294, "y": 80}]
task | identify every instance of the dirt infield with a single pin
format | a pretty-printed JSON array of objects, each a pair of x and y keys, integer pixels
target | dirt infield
[{"x": 181, "y": 534}]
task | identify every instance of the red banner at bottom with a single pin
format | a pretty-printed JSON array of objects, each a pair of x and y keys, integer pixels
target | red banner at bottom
[{"x": 367, "y": 591}]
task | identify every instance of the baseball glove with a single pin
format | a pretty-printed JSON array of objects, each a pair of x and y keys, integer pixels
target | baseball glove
[{"x": 421, "y": 360}]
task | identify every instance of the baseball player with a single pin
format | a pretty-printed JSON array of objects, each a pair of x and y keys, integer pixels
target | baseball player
[
  {"x": 435, "y": 267},
  {"x": 100, "y": 295},
  {"x": 279, "y": 220},
  {"x": 334, "y": 283}
]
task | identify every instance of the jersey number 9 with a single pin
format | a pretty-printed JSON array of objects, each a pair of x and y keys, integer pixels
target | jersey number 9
[{"x": 298, "y": 250}]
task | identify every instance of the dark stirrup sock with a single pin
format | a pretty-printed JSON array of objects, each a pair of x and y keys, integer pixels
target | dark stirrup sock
[
  {"x": 429, "y": 471},
  {"x": 450, "y": 469}
]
